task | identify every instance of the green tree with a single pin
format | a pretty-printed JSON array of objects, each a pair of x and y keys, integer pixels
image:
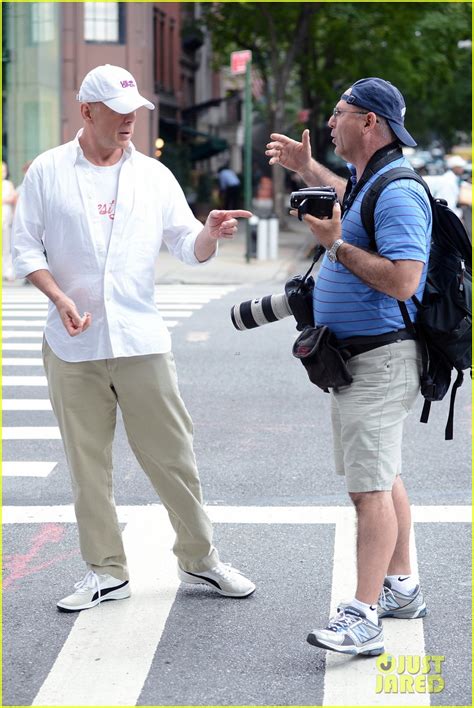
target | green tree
[
  {"x": 308, "y": 53},
  {"x": 276, "y": 35},
  {"x": 413, "y": 45}
]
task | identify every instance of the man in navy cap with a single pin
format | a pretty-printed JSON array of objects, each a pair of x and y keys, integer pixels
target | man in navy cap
[{"x": 356, "y": 297}]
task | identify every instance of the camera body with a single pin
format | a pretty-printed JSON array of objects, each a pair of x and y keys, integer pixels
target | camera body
[{"x": 317, "y": 201}]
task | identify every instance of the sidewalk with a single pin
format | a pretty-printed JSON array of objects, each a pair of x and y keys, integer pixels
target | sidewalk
[{"x": 230, "y": 265}]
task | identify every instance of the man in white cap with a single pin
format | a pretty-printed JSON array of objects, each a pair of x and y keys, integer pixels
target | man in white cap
[
  {"x": 448, "y": 185},
  {"x": 91, "y": 219}
]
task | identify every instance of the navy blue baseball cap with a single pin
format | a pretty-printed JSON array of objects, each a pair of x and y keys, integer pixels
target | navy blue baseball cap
[{"x": 384, "y": 99}]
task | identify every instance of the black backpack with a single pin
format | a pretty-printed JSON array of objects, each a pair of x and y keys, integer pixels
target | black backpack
[{"x": 443, "y": 321}]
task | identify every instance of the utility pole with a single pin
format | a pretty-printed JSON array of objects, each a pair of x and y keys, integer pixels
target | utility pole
[
  {"x": 240, "y": 63},
  {"x": 248, "y": 152}
]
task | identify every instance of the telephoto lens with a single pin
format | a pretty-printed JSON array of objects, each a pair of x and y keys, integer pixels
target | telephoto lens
[{"x": 262, "y": 310}]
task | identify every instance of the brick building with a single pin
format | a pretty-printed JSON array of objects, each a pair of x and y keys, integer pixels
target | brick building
[{"x": 48, "y": 48}]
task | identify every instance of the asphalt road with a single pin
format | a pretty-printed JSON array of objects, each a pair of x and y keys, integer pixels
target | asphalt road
[{"x": 262, "y": 439}]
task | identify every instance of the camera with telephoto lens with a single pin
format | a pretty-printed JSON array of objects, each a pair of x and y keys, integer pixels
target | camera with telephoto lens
[
  {"x": 317, "y": 201},
  {"x": 297, "y": 300},
  {"x": 260, "y": 311}
]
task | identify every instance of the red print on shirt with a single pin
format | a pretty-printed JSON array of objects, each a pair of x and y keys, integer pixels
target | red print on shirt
[{"x": 107, "y": 209}]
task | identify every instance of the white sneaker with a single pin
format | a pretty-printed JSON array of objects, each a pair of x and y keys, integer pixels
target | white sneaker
[
  {"x": 93, "y": 589},
  {"x": 225, "y": 579}
]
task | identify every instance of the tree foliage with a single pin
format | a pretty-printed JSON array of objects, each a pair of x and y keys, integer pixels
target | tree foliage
[{"x": 311, "y": 52}]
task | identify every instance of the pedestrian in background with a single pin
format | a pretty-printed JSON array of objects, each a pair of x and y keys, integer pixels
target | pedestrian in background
[
  {"x": 448, "y": 185},
  {"x": 229, "y": 187},
  {"x": 101, "y": 209},
  {"x": 9, "y": 197},
  {"x": 355, "y": 296}
]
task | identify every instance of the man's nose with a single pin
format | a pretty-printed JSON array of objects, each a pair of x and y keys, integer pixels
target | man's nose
[
  {"x": 331, "y": 121},
  {"x": 130, "y": 117}
]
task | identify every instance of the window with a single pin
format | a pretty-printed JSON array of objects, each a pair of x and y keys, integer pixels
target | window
[
  {"x": 171, "y": 58},
  {"x": 42, "y": 22},
  {"x": 159, "y": 48},
  {"x": 104, "y": 22}
]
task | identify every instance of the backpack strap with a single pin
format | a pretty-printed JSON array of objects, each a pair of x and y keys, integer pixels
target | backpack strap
[
  {"x": 367, "y": 209},
  {"x": 448, "y": 433},
  {"x": 367, "y": 212},
  {"x": 381, "y": 158}
]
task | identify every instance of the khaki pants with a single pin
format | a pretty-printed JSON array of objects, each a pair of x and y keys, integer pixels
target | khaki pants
[{"x": 84, "y": 397}]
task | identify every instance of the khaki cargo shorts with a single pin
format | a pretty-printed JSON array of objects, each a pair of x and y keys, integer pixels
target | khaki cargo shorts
[{"x": 367, "y": 416}]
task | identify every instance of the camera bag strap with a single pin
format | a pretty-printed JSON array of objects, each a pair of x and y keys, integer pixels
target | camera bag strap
[{"x": 384, "y": 156}]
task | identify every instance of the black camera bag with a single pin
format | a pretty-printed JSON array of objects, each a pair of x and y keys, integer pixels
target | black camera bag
[{"x": 317, "y": 349}]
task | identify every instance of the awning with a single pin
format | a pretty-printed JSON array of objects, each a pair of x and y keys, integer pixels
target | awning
[{"x": 203, "y": 145}]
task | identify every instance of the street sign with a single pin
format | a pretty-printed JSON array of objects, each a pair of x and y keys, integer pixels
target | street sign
[{"x": 238, "y": 61}]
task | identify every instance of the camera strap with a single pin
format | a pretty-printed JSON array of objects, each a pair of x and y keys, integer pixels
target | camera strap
[
  {"x": 384, "y": 156},
  {"x": 319, "y": 250}
]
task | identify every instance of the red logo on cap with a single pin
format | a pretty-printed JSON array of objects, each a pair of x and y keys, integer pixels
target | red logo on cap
[{"x": 127, "y": 84}]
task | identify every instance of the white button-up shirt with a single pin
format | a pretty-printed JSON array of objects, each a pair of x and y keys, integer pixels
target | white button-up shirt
[{"x": 57, "y": 228}]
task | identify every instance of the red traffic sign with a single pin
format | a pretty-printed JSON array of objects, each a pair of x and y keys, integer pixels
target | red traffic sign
[{"x": 238, "y": 61}]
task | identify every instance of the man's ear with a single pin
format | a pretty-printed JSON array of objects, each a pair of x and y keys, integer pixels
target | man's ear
[
  {"x": 86, "y": 111},
  {"x": 370, "y": 120}
]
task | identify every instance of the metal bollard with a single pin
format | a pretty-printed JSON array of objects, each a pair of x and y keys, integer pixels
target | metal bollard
[
  {"x": 273, "y": 231},
  {"x": 262, "y": 240},
  {"x": 253, "y": 226}
]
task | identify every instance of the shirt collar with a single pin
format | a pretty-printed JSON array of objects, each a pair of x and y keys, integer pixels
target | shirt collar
[
  {"x": 79, "y": 153},
  {"x": 353, "y": 171}
]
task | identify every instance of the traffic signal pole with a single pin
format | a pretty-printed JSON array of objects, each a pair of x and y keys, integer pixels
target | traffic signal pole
[{"x": 248, "y": 153}]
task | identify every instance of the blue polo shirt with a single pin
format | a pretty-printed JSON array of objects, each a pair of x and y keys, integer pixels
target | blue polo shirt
[{"x": 341, "y": 300}]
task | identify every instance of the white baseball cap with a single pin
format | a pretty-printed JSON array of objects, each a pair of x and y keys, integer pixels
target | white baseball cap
[
  {"x": 455, "y": 161},
  {"x": 113, "y": 86}
]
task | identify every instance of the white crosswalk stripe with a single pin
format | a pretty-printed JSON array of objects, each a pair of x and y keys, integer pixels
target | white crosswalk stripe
[
  {"x": 24, "y": 309},
  {"x": 119, "y": 680},
  {"x": 27, "y": 468}
]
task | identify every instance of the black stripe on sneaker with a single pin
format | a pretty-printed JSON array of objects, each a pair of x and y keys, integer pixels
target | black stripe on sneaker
[
  {"x": 106, "y": 591},
  {"x": 207, "y": 580}
]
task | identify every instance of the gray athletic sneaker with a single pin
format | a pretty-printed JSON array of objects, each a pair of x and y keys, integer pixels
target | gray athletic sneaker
[
  {"x": 350, "y": 632},
  {"x": 393, "y": 603}
]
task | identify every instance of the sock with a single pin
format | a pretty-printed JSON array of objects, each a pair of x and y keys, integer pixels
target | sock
[
  {"x": 370, "y": 611},
  {"x": 403, "y": 583}
]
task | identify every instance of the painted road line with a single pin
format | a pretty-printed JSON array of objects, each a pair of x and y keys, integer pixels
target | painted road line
[
  {"x": 22, "y": 347},
  {"x": 21, "y": 361},
  {"x": 24, "y": 381},
  {"x": 30, "y": 432},
  {"x": 105, "y": 659},
  {"x": 235, "y": 514},
  {"x": 354, "y": 682},
  {"x": 35, "y": 308},
  {"x": 36, "y": 334},
  {"x": 178, "y": 305},
  {"x": 197, "y": 336},
  {"x": 26, "y": 404},
  {"x": 13, "y": 334},
  {"x": 23, "y": 323},
  {"x": 185, "y": 299},
  {"x": 9, "y": 312},
  {"x": 27, "y": 468},
  {"x": 108, "y": 634},
  {"x": 175, "y": 313}
]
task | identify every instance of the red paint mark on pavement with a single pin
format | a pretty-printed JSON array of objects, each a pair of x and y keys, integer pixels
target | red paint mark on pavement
[{"x": 18, "y": 566}]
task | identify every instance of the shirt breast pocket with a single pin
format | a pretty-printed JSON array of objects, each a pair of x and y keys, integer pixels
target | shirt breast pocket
[{"x": 68, "y": 234}]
